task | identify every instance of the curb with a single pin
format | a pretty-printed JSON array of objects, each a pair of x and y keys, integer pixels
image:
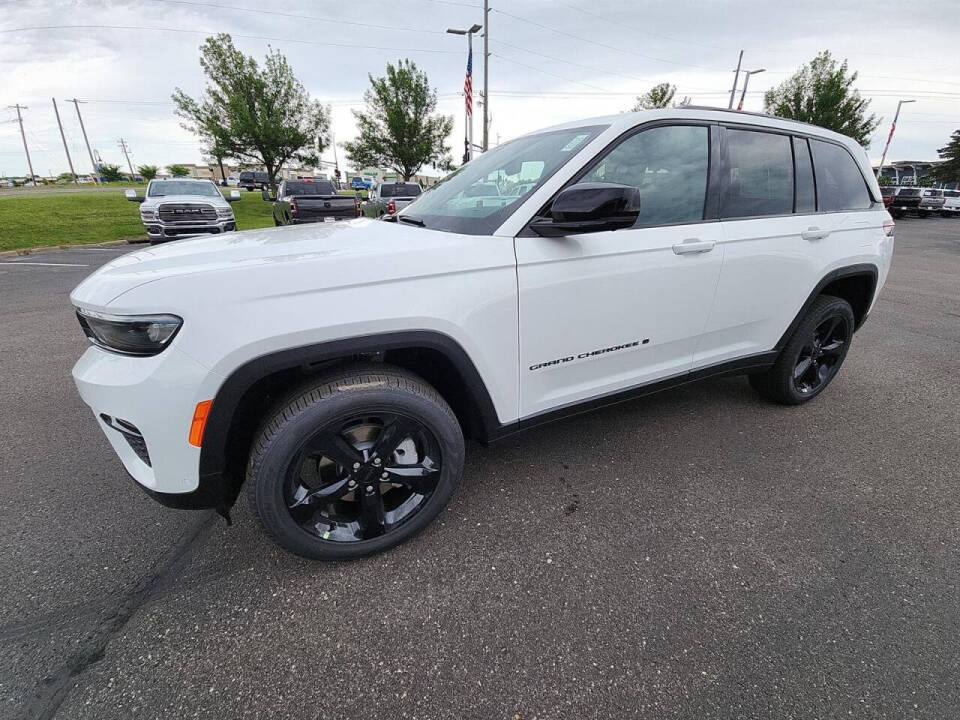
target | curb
[{"x": 49, "y": 248}]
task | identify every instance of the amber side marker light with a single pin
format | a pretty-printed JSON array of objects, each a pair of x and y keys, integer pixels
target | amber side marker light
[{"x": 199, "y": 422}]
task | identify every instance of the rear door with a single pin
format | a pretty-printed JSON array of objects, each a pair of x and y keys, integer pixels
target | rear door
[
  {"x": 792, "y": 209},
  {"x": 607, "y": 311}
]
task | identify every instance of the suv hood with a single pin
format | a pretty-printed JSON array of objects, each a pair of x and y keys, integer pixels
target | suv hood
[{"x": 329, "y": 254}]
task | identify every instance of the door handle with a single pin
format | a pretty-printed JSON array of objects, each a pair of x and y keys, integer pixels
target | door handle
[
  {"x": 814, "y": 233},
  {"x": 692, "y": 246}
]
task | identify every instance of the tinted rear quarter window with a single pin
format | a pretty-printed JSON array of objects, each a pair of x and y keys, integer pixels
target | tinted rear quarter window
[
  {"x": 759, "y": 174},
  {"x": 806, "y": 200},
  {"x": 840, "y": 184}
]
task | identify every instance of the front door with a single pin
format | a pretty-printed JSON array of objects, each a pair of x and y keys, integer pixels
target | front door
[{"x": 608, "y": 311}]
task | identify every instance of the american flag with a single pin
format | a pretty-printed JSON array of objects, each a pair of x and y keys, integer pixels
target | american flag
[{"x": 468, "y": 84}]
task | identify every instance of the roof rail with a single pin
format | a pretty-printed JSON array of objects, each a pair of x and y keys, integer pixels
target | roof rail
[{"x": 746, "y": 112}]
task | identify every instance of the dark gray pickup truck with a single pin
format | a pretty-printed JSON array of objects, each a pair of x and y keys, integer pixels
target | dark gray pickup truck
[{"x": 309, "y": 201}]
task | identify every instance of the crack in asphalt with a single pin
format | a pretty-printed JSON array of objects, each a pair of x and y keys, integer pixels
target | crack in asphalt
[{"x": 54, "y": 688}]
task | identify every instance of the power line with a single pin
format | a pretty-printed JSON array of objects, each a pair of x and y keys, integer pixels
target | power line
[
  {"x": 213, "y": 32},
  {"x": 600, "y": 44},
  {"x": 546, "y": 72},
  {"x": 297, "y": 16}
]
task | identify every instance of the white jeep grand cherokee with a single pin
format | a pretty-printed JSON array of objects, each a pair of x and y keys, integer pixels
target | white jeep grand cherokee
[{"x": 337, "y": 368}]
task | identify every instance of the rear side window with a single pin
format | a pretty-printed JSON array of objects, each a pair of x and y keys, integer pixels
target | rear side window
[
  {"x": 840, "y": 184},
  {"x": 806, "y": 200},
  {"x": 668, "y": 164},
  {"x": 759, "y": 175}
]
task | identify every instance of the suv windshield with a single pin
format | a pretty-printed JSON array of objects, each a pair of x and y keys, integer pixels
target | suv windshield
[
  {"x": 160, "y": 188},
  {"x": 309, "y": 188},
  {"x": 399, "y": 190},
  {"x": 477, "y": 198}
]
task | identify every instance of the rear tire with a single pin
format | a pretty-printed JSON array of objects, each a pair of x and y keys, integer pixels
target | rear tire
[
  {"x": 812, "y": 356},
  {"x": 354, "y": 463}
]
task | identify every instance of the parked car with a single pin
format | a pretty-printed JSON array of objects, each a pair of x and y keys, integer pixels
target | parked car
[
  {"x": 176, "y": 208},
  {"x": 233, "y": 181},
  {"x": 306, "y": 201},
  {"x": 359, "y": 183},
  {"x": 390, "y": 198},
  {"x": 254, "y": 180},
  {"x": 335, "y": 369},
  {"x": 951, "y": 203},
  {"x": 887, "y": 192},
  {"x": 906, "y": 200},
  {"x": 931, "y": 201}
]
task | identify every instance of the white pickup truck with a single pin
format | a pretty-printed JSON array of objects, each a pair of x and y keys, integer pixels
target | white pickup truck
[
  {"x": 181, "y": 207},
  {"x": 336, "y": 368}
]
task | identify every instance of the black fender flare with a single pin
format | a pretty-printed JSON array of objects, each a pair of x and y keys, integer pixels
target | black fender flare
[
  {"x": 847, "y": 271},
  {"x": 219, "y": 491}
]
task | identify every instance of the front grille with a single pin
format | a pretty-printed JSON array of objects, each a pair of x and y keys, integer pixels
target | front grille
[
  {"x": 186, "y": 213},
  {"x": 131, "y": 433}
]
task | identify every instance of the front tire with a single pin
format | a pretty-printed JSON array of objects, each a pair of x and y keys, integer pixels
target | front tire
[
  {"x": 812, "y": 356},
  {"x": 354, "y": 463}
]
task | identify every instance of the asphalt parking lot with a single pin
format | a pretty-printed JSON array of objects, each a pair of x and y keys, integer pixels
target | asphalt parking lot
[{"x": 696, "y": 554}]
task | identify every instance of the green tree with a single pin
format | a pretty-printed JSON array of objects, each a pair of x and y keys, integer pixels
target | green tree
[
  {"x": 657, "y": 97},
  {"x": 949, "y": 170},
  {"x": 884, "y": 181},
  {"x": 258, "y": 115},
  {"x": 398, "y": 129},
  {"x": 148, "y": 172},
  {"x": 822, "y": 93},
  {"x": 178, "y": 170},
  {"x": 111, "y": 173},
  {"x": 66, "y": 176}
]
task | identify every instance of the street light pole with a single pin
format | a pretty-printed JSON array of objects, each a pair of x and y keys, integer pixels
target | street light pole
[
  {"x": 893, "y": 127},
  {"x": 468, "y": 101},
  {"x": 486, "y": 75},
  {"x": 736, "y": 77},
  {"x": 746, "y": 81}
]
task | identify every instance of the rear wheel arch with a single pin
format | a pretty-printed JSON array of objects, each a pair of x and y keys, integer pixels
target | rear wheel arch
[
  {"x": 251, "y": 391},
  {"x": 857, "y": 284}
]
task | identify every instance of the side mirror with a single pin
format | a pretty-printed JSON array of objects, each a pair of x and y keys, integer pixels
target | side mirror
[
  {"x": 234, "y": 196},
  {"x": 590, "y": 207},
  {"x": 131, "y": 195}
]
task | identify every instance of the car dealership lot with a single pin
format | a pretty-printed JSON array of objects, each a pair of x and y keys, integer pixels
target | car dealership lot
[{"x": 694, "y": 554}]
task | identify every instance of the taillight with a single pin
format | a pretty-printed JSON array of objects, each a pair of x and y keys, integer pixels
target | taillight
[
  {"x": 888, "y": 226},
  {"x": 392, "y": 207},
  {"x": 293, "y": 207}
]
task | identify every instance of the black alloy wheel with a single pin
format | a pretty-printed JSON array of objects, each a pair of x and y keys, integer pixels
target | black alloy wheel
[
  {"x": 812, "y": 356},
  {"x": 819, "y": 359},
  {"x": 362, "y": 477}
]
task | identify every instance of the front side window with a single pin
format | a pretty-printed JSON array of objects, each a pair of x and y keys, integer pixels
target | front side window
[
  {"x": 668, "y": 165},
  {"x": 759, "y": 175},
  {"x": 840, "y": 184},
  {"x": 476, "y": 199}
]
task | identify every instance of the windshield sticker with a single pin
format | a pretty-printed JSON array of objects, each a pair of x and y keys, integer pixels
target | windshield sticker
[{"x": 573, "y": 143}]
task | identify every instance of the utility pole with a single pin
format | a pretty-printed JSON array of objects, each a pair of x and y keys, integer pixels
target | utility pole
[
  {"x": 736, "y": 77},
  {"x": 93, "y": 164},
  {"x": 23, "y": 135},
  {"x": 123, "y": 146},
  {"x": 890, "y": 136},
  {"x": 64, "y": 138},
  {"x": 486, "y": 74}
]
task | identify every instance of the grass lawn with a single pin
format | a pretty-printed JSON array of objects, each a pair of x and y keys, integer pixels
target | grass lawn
[{"x": 35, "y": 220}]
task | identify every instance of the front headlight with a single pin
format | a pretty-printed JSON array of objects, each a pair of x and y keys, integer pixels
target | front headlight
[
  {"x": 129, "y": 334},
  {"x": 225, "y": 212},
  {"x": 148, "y": 214}
]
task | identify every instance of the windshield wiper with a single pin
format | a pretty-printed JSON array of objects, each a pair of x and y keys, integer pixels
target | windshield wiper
[{"x": 412, "y": 220}]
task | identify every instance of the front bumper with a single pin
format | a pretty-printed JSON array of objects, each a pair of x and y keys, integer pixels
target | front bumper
[
  {"x": 158, "y": 229},
  {"x": 153, "y": 397}
]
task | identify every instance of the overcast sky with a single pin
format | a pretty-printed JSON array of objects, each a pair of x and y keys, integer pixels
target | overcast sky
[{"x": 550, "y": 62}]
